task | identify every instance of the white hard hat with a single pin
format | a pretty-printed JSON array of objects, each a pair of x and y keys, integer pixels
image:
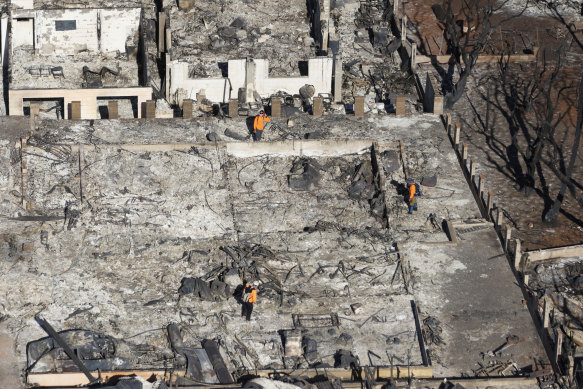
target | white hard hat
[{"x": 255, "y": 283}]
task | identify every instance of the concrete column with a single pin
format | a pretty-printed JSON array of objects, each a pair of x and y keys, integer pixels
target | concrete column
[
  {"x": 168, "y": 43},
  {"x": 400, "y": 108},
  {"x": 318, "y": 107},
  {"x": 233, "y": 108},
  {"x": 546, "y": 312},
  {"x": 456, "y": 134},
  {"x": 448, "y": 123},
  {"x": 472, "y": 168},
  {"x": 517, "y": 254},
  {"x": 34, "y": 110},
  {"x": 149, "y": 109},
  {"x": 161, "y": 32},
  {"x": 507, "y": 237},
  {"x": 499, "y": 219},
  {"x": 276, "y": 108},
  {"x": 464, "y": 153},
  {"x": 558, "y": 344},
  {"x": 250, "y": 72},
  {"x": 481, "y": 182},
  {"x": 75, "y": 110},
  {"x": 187, "y": 105},
  {"x": 359, "y": 106},
  {"x": 404, "y": 29},
  {"x": 89, "y": 108},
  {"x": 338, "y": 73},
  {"x": 112, "y": 111},
  {"x": 489, "y": 204},
  {"x": 414, "y": 59}
]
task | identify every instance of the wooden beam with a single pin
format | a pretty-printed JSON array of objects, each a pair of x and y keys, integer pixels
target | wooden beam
[{"x": 78, "y": 378}]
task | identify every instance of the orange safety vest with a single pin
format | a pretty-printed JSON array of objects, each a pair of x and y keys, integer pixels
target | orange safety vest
[
  {"x": 253, "y": 296},
  {"x": 259, "y": 124},
  {"x": 412, "y": 191}
]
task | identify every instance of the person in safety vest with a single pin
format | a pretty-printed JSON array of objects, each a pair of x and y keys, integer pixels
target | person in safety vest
[
  {"x": 259, "y": 125},
  {"x": 412, "y": 195},
  {"x": 248, "y": 298}
]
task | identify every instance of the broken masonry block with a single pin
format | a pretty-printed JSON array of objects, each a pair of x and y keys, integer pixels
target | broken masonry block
[
  {"x": 275, "y": 108},
  {"x": 220, "y": 289},
  {"x": 356, "y": 308},
  {"x": 345, "y": 339},
  {"x": 310, "y": 347},
  {"x": 292, "y": 343},
  {"x": 400, "y": 106},
  {"x": 112, "y": 111},
  {"x": 187, "y": 105},
  {"x": 186, "y": 4},
  {"x": 233, "y": 108},
  {"x": 344, "y": 359},
  {"x": 359, "y": 106},
  {"x": 318, "y": 107},
  {"x": 75, "y": 113}
]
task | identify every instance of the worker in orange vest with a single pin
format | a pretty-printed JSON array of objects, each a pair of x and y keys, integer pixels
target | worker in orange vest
[
  {"x": 259, "y": 125},
  {"x": 412, "y": 193},
  {"x": 248, "y": 298}
]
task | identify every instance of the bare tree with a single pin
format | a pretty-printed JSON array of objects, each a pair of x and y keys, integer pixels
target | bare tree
[{"x": 468, "y": 31}]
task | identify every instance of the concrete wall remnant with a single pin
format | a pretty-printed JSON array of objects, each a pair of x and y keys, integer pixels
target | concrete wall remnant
[
  {"x": 252, "y": 75},
  {"x": 87, "y": 97},
  {"x": 432, "y": 98},
  {"x": 69, "y": 31}
]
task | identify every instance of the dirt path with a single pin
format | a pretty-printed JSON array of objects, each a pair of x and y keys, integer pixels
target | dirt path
[{"x": 9, "y": 370}]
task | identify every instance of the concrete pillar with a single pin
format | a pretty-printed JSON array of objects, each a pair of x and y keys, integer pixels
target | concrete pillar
[
  {"x": 250, "y": 72},
  {"x": 318, "y": 107},
  {"x": 233, "y": 108},
  {"x": 414, "y": 60},
  {"x": 34, "y": 110},
  {"x": 489, "y": 204},
  {"x": 546, "y": 312},
  {"x": 464, "y": 153},
  {"x": 149, "y": 111},
  {"x": 438, "y": 105},
  {"x": 338, "y": 73},
  {"x": 472, "y": 169},
  {"x": 112, "y": 111},
  {"x": 75, "y": 110},
  {"x": 276, "y": 107},
  {"x": 456, "y": 134},
  {"x": 404, "y": 29},
  {"x": 168, "y": 43},
  {"x": 187, "y": 105},
  {"x": 359, "y": 106},
  {"x": 558, "y": 344},
  {"x": 161, "y": 32},
  {"x": 517, "y": 254},
  {"x": 400, "y": 108},
  {"x": 507, "y": 237}
]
